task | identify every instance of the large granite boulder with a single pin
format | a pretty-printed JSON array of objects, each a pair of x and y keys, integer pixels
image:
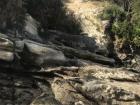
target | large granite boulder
[{"x": 39, "y": 54}]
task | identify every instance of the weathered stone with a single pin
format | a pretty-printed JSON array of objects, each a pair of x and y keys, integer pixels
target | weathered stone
[
  {"x": 70, "y": 52},
  {"x": 101, "y": 85},
  {"x": 38, "y": 54},
  {"x": 44, "y": 99},
  {"x": 31, "y": 25},
  {"x": 103, "y": 93},
  {"x": 5, "y": 44},
  {"x": 19, "y": 45},
  {"x": 47, "y": 97},
  {"x": 67, "y": 95},
  {"x": 31, "y": 29},
  {"x": 74, "y": 41},
  {"x": 6, "y": 56},
  {"x": 6, "y": 48}
]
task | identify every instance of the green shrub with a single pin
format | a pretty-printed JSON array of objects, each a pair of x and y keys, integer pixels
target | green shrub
[
  {"x": 123, "y": 29},
  {"x": 136, "y": 41},
  {"x": 126, "y": 24},
  {"x": 112, "y": 11}
]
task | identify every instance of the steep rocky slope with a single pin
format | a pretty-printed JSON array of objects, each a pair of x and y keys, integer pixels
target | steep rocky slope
[
  {"x": 39, "y": 74},
  {"x": 59, "y": 68}
]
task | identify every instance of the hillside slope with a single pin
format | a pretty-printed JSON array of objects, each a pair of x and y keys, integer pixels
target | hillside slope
[{"x": 87, "y": 13}]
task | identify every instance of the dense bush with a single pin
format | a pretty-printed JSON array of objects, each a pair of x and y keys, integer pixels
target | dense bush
[
  {"x": 126, "y": 23},
  {"x": 112, "y": 11}
]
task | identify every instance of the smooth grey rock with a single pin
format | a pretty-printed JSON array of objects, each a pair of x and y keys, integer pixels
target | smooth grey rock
[
  {"x": 19, "y": 45},
  {"x": 31, "y": 25},
  {"x": 31, "y": 29}
]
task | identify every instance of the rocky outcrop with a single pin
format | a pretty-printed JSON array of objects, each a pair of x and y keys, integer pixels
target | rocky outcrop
[
  {"x": 39, "y": 54},
  {"x": 57, "y": 74},
  {"x": 99, "y": 86},
  {"x": 57, "y": 68}
]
